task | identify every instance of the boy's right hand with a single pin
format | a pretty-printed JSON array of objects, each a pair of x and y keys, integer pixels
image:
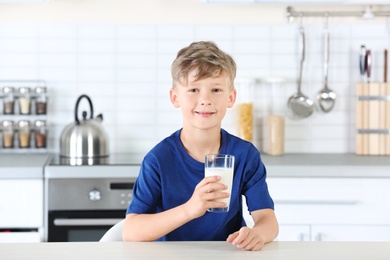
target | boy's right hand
[{"x": 204, "y": 197}]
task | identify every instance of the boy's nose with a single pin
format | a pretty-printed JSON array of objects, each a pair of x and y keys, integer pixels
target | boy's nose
[
  {"x": 205, "y": 99},
  {"x": 205, "y": 102}
]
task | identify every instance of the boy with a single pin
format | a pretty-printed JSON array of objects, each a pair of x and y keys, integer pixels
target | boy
[{"x": 171, "y": 195}]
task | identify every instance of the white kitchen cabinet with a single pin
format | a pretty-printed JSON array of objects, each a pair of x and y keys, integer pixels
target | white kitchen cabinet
[
  {"x": 21, "y": 205},
  {"x": 20, "y": 237},
  {"x": 294, "y": 233},
  {"x": 350, "y": 233},
  {"x": 332, "y": 209},
  {"x": 21, "y": 210}
]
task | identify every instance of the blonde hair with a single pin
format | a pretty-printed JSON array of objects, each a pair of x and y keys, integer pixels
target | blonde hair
[{"x": 206, "y": 58}]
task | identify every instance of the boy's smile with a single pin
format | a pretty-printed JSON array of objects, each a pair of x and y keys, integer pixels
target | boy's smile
[{"x": 205, "y": 114}]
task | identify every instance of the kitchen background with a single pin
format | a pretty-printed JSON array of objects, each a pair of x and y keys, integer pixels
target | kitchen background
[{"x": 119, "y": 53}]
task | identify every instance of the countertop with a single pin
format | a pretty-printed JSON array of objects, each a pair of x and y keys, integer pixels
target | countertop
[
  {"x": 327, "y": 165},
  {"x": 196, "y": 250},
  {"x": 126, "y": 165},
  {"x": 22, "y": 166}
]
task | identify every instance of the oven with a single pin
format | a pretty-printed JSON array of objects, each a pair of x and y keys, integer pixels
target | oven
[{"x": 83, "y": 202}]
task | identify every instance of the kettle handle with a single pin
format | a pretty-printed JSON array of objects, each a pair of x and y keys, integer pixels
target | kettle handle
[{"x": 77, "y": 107}]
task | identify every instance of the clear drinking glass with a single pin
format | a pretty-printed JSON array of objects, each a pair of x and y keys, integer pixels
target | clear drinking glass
[{"x": 221, "y": 165}]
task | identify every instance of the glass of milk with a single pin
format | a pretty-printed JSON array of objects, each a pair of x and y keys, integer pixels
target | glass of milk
[{"x": 221, "y": 165}]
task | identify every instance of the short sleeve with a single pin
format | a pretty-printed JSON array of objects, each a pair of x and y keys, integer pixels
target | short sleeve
[
  {"x": 255, "y": 188},
  {"x": 147, "y": 188}
]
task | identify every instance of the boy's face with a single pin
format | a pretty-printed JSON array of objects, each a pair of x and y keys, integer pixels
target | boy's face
[{"x": 204, "y": 102}]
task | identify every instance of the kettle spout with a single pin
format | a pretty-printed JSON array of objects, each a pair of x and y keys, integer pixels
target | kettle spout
[{"x": 99, "y": 118}]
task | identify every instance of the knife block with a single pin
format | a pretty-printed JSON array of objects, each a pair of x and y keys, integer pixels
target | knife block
[{"x": 373, "y": 119}]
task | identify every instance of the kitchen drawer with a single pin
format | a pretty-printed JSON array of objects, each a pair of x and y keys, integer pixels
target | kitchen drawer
[
  {"x": 21, "y": 203},
  {"x": 20, "y": 237},
  {"x": 331, "y": 200},
  {"x": 294, "y": 233},
  {"x": 377, "y": 233}
]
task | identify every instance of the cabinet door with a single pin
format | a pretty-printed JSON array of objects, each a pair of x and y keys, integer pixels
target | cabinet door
[
  {"x": 350, "y": 233},
  {"x": 20, "y": 237},
  {"x": 21, "y": 203},
  {"x": 294, "y": 233},
  {"x": 331, "y": 201}
]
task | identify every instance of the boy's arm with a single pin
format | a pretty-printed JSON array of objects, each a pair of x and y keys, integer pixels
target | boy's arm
[
  {"x": 266, "y": 224},
  {"x": 149, "y": 227},
  {"x": 265, "y": 230}
]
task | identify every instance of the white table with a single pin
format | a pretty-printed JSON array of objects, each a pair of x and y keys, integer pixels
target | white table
[{"x": 196, "y": 250}]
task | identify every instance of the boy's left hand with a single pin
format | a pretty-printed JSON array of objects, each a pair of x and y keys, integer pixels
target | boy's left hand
[{"x": 247, "y": 239}]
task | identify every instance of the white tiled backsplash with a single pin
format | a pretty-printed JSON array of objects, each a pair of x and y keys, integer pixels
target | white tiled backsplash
[{"x": 125, "y": 69}]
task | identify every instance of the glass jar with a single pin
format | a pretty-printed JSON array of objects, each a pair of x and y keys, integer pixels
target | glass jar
[
  {"x": 40, "y": 134},
  {"x": 8, "y": 100},
  {"x": 40, "y": 101},
  {"x": 24, "y": 133},
  {"x": 245, "y": 108},
  {"x": 273, "y": 121},
  {"x": 8, "y": 134},
  {"x": 24, "y": 101}
]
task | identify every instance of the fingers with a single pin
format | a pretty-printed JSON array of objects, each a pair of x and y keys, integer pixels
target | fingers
[
  {"x": 246, "y": 239},
  {"x": 209, "y": 179},
  {"x": 231, "y": 237},
  {"x": 213, "y": 192},
  {"x": 211, "y": 184},
  {"x": 207, "y": 194},
  {"x": 212, "y": 187}
]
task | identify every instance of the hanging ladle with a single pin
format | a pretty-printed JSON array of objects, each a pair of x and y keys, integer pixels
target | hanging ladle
[
  {"x": 326, "y": 97},
  {"x": 299, "y": 104}
]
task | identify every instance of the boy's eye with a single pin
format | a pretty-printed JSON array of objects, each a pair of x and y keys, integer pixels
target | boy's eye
[
  {"x": 217, "y": 90},
  {"x": 192, "y": 90}
]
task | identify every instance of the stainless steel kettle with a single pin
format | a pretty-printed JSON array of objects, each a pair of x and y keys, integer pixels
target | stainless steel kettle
[{"x": 84, "y": 139}]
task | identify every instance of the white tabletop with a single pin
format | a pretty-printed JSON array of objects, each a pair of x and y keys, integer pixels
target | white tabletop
[{"x": 196, "y": 250}]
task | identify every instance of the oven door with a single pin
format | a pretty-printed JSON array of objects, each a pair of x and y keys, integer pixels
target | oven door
[{"x": 81, "y": 225}]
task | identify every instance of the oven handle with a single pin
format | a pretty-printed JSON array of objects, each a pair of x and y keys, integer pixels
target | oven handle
[{"x": 86, "y": 221}]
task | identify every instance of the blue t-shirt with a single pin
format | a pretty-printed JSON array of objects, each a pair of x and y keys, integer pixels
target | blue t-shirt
[{"x": 168, "y": 177}]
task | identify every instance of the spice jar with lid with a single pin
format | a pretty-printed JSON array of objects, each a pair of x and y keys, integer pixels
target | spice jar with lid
[
  {"x": 25, "y": 100},
  {"x": 24, "y": 133},
  {"x": 40, "y": 134},
  {"x": 245, "y": 108},
  {"x": 40, "y": 100},
  {"x": 8, "y": 100},
  {"x": 8, "y": 133}
]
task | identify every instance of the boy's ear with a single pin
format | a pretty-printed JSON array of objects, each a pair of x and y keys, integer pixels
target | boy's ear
[
  {"x": 232, "y": 98},
  {"x": 173, "y": 97}
]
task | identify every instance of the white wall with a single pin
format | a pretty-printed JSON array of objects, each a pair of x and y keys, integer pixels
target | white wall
[
  {"x": 158, "y": 11},
  {"x": 121, "y": 58}
]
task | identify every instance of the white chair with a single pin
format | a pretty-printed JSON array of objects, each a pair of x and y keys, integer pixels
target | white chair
[{"x": 114, "y": 233}]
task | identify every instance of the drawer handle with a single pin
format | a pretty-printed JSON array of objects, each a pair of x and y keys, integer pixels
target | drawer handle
[
  {"x": 86, "y": 221},
  {"x": 318, "y": 202}
]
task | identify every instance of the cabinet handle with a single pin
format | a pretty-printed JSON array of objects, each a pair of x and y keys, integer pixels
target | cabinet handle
[
  {"x": 86, "y": 221},
  {"x": 320, "y": 237},
  {"x": 302, "y": 237},
  {"x": 320, "y": 202}
]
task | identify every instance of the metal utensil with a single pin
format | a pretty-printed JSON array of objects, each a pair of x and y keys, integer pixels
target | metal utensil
[
  {"x": 299, "y": 104},
  {"x": 368, "y": 65},
  {"x": 385, "y": 67},
  {"x": 326, "y": 97},
  {"x": 362, "y": 62}
]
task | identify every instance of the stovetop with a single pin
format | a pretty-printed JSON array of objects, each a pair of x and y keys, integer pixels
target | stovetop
[
  {"x": 113, "y": 166},
  {"x": 114, "y": 159}
]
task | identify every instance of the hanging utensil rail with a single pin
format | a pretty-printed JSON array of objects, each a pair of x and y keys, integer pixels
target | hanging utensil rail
[{"x": 291, "y": 13}]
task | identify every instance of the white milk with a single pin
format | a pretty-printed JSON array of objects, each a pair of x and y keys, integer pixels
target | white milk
[{"x": 226, "y": 178}]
